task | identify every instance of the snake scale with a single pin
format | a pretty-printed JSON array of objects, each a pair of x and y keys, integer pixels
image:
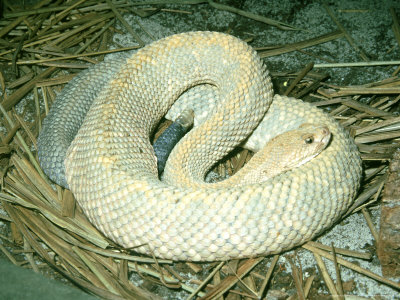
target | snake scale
[{"x": 111, "y": 169}]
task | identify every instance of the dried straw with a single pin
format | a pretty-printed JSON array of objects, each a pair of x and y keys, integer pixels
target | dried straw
[{"x": 46, "y": 222}]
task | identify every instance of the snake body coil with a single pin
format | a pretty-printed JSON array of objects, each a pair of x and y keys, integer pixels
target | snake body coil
[{"x": 111, "y": 168}]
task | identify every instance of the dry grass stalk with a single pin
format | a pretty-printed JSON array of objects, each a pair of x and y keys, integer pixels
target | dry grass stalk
[
  {"x": 352, "y": 266},
  {"x": 19, "y": 81},
  {"x": 367, "y": 194},
  {"x": 205, "y": 281},
  {"x": 26, "y": 88},
  {"x": 298, "y": 280},
  {"x": 299, "y": 77},
  {"x": 307, "y": 285},
  {"x": 339, "y": 284},
  {"x": 358, "y": 64},
  {"x": 346, "y": 252},
  {"x": 231, "y": 280},
  {"x": 8, "y": 255},
  {"x": 28, "y": 62},
  {"x": 374, "y": 137},
  {"x": 371, "y": 201},
  {"x": 55, "y": 81},
  {"x": 377, "y": 125},
  {"x": 303, "y": 44},
  {"x": 368, "y": 218},
  {"x": 325, "y": 275},
  {"x": 366, "y": 91},
  {"x": 268, "y": 276}
]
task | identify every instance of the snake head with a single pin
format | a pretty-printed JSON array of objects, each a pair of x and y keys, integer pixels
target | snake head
[
  {"x": 309, "y": 140},
  {"x": 285, "y": 152}
]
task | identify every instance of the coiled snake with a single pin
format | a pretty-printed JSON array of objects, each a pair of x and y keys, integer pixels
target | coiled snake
[{"x": 111, "y": 168}]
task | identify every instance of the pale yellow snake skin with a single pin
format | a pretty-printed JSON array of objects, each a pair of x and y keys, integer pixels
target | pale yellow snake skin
[{"x": 111, "y": 168}]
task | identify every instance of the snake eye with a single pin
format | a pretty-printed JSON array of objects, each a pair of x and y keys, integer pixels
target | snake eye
[{"x": 309, "y": 140}]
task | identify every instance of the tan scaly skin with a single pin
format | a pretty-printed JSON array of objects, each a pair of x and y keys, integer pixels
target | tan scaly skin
[{"x": 111, "y": 169}]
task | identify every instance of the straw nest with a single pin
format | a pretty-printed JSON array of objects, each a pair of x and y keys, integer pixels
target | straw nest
[{"x": 46, "y": 225}]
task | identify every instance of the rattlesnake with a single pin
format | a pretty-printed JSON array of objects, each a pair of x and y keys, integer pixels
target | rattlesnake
[{"x": 111, "y": 168}]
